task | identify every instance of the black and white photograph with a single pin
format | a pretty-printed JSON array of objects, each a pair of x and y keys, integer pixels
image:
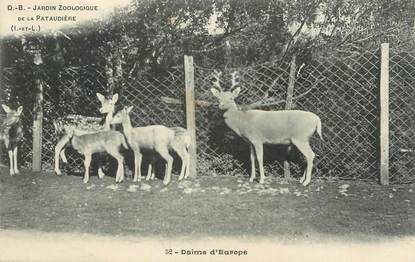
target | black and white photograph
[{"x": 207, "y": 130}]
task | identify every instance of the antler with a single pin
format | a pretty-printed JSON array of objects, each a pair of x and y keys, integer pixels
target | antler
[
  {"x": 216, "y": 74},
  {"x": 235, "y": 79}
]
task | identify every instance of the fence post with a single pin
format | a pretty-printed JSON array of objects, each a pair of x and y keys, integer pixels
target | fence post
[
  {"x": 37, "y": 126},
  {"x": 190, "y": 111},
  {"x": 109, "y": 75},
  {"x": 118, "y": 70},
  {"x": 289, "y": 104},
  {"x": 384, "y": 114}
]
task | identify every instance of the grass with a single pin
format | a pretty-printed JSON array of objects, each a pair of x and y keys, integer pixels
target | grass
[{"x": 207, "y": 206}]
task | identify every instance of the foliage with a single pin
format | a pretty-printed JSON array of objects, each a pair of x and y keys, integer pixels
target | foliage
[{"x": 154, "y": 34}]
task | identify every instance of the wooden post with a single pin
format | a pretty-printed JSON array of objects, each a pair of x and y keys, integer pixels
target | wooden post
[
  {"x": 118, "y": 70},
  {"x": 37, "y": 127},
  {"x": 289, "y": 104},
  {"x": 384, "y": 114},
  {"x": 109, "y": 75},
  {"x": 190, "y": 111}
]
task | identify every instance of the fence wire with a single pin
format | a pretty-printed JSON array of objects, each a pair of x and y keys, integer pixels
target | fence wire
[
  {"x": 343, "y": 95},
  {"x": 402, "y": 120},
  {"x": 14, "y": 86},
  {"x": 341, "y": 90},
  {"x": 76, "y": 90}
]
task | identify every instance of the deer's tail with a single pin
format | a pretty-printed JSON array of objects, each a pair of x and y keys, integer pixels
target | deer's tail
[
  {"x": 188, "y": 140},
  {"x": 318, "y": 129}
]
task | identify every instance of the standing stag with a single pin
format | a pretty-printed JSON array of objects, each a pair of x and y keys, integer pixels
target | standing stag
[
  {"x": 76, "y": 125},
  {"x": 260, "y": 127},
  {"x": 157, "y": 138},
  {"x": 11, "y": 133}
]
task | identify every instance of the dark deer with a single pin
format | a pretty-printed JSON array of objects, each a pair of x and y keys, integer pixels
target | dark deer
[{"x": 11, "y": 133}]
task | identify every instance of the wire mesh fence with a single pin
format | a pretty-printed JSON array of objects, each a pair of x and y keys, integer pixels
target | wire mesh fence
[
  {"x": 13, "y": 84},
  {"x": 72, "y": 91},
  {"x": 76, "y": 88},
  {"x": 402, "y": 120},
  {"x": 341, "y": 90}
]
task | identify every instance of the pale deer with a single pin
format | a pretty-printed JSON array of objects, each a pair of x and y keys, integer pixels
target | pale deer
[
  {"x": 75, "y": 125},
  {"x": 180, "y": 145},
  {"x": 12, "y": 134},
  {"x": 157, "y": 138},
  {"x": 109, "y": 141},
  {"x": 260, "y": 127}
]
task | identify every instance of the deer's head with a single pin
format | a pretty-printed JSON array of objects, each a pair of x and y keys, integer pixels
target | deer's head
[
  {"x": 121, "y": 115},
  {"x": 13, "y": 116},
  {"x": 226, "y": 98},
  {"x": 107, "y": 105}
]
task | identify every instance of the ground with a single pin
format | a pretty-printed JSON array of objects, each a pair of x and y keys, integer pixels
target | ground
[{"x": 207, "y": 206}]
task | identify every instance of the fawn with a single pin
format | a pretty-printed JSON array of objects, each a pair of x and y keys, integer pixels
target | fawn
[
  {"x": 180, "y": 145},
  {"x": 156, "y": 137},
  {"x": 75, "y": 125},
  {"x": 109, "y": 141}
]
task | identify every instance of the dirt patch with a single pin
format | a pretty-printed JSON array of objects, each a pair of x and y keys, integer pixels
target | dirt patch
[{"x": 207, "y": 206}]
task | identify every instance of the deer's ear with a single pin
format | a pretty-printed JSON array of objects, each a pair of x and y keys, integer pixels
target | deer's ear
[
  {"x": 236, "y": 91},
  {"x": 114, "y": 98},
  {"x": 215, "y": 92},
  {"x": 101, "y": 98},
  {"x": 20, "y": 110},
  {"x": 129, "y": 109},
  {"x": 6, "y": 108}
]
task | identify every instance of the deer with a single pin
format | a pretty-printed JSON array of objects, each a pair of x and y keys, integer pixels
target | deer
[
  {"x": 259, "y": 127},
  {"x": 180, "y": 145},
  {"x": 156, "y": 138},
  {"x": 75, "y": 125},
  {"x": 109, "y": 141},
  {"x": 11, "y": 133}
]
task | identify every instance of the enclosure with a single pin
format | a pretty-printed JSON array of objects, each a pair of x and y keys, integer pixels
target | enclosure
[{"x": 343, "y": 90}]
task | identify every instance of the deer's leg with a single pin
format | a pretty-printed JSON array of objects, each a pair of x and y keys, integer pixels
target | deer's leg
[
  {"x": 151, "y": 167},
  {"x": 58, "y": 148},
  {"x": 303, "y": 177},
  {"x": 252, "y": 157},
  {"x": 309, "y": 155},
  {"x": 153, "y": 171},
  {"x": 181, "y": 152},
  {"x": 87, "y": 163},
  {"x": 63, "y": 156},
  {"x": 138, "y": 158},
  {"x": 15, "y": 166},
  {"x": 164, "y": 153},
  {"x": 260, "y": 157},
  {"x": 119, "y": 177},
  {"x": 11, "y": 162},
  {"x": 187, "y": 157},
  {"x": 101, "y": 173}
]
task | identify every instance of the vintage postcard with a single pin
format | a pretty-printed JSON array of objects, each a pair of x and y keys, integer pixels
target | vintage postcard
[{"x": 207, "y": 130}]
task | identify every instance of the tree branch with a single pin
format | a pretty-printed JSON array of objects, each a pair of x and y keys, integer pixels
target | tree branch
[{"x": 271, "y": 101}]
